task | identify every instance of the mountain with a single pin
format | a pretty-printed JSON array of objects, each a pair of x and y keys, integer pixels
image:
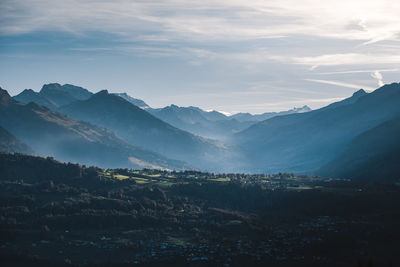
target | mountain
[
  {"x": 372, "y": 155},
  {"x": 197, "y": 121},
  {"x": 212, "y": 115},
  {"x": 304, "y": 142},
  {"x": 10, "y": 144},
  {"x": 50, "y": 133},
  {"x": 137, "y": 102},
  {"x": 357, "y": 95},
  {"x": 213, "y": 124},
  {"x": 28, "y": 95},
  {"x": 260, "y": 117},
  {"x": 54, "y": 95},
  {"x": 143, "y": 129}
]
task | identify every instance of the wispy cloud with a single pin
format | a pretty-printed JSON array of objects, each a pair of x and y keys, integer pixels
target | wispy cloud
[
  {"x": 356, "y": 71},
  {"x": 342, "y": 84},
  {"x": 378, "y": 76},
  {"x": 251, "y": 51},
  {"x": 369, "y": 21},
  {"x": 347, "y": 59}
]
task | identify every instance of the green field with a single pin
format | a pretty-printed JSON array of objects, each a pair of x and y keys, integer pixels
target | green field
[{"x": 225, "y": 179}]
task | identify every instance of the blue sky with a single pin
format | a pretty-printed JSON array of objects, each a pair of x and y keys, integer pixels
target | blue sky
[{"x": 250, "y": 56}]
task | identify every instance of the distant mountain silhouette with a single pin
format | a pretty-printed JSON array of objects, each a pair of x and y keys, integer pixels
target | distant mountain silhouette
[
  {"x": 200, "y": 122},
  {"x": 304, "y": 142},
  {"x": 54, "y": 95},
  {"x": 137, "y": 102},
  {"x": 52, "y": 134},
  {"x": 10, "y": 144},
  {"x": 212, "y": 124},
  {"x": 28, "y": 95},
  {"x": 357, "y": 95},
  {"x": 208, "y": 124},
  {"x": 143, "y": 129},
  {"x": 372, "y": 155},
  {"x": 322, "y": 141},
  {"x": 260, "y": 117},
  {"x": 212, "y": 115}
]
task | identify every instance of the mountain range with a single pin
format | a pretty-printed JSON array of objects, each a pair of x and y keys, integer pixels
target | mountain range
[
  {"x": 54, "y": 95},
  {"x": 349, "y": 138},
  {"x": 50, "y": 133},
  {"x": 213, "y": 124},
  {"x": 208, "y": 124},
  {"x": 304, "y": 142},
  {"x": 143, "y": 129}
]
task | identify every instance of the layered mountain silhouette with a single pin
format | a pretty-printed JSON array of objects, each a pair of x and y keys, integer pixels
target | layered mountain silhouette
[
  {"x": 50, "y": 133},
  {"x": 372, "y": 155},
  {"x": 306, "y": 141},
  {"x": 54, "y": 95},
  {"x": 199, "y": 122},
  {"x": 242, "y": 117},
  {"x": 11, "y": 144},
  {"x": 143, "y": 129},
  {"x": 213, "y": 124},
  {"x": 354, "y": 137},
  {"x": 137, "y": 102}
]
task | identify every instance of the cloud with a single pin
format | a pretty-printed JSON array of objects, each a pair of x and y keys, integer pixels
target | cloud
[
  {"x": 272, "y": 43},
  {"x": 356, "y": 71},
  {"x": 377, "y": 75},
  {"x": 342, "y": 84},
  {"x": 347, "y": 59},
  {"x": 368, "y": 21}
]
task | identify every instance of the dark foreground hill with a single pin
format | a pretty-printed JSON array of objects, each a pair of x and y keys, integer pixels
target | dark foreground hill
[
  {"x": 57, "y": 214},
  {"x": 372, "y": 156},
  {"x": 49, "y": 133},
  {"x": 307, "y": 141}
]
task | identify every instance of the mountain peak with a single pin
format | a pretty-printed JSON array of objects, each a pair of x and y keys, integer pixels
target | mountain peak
[
  {"x": 30, "y": 91},
  {"x": 50, "y": 86},
  {"x": 102, "y": 92},
  {"x": 4, "y": 96},
  {"x": 137, "y": 102},
  {"x": 359, "y": 93},
  {"x": 392, "y": 86},
  {"x": 3, "y": 93}
]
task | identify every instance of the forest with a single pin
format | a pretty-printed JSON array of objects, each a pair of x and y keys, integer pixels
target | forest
[{"x": 56, "y": 213}]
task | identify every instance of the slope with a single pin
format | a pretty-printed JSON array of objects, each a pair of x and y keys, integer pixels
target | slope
[
  {"x": 10, "y": 144},
  {"x": 304, "y": 142},
  {"x": 49, "y": 133},
  {"x": 143, "y": 129},
  {"x": 371, "y": 156}
]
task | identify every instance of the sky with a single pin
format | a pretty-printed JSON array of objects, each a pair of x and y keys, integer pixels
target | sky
[{"x": 228, "y": 55}]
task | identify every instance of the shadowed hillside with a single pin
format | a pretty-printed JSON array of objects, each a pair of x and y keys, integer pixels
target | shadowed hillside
[
  {"x": 372, "y": 155},
  {"x": 143, "y": 129},
  {"x": 304, "y": 142},
  {"x": 49, "y": 133},
  {"x": 10, "y": 144}
]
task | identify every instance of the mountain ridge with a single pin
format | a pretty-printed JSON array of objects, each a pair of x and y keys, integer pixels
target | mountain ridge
[
  {"x": 53, "y": 134},
  {"x": 141, "y": 128},
  {"x": 303, "y": 142}
]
